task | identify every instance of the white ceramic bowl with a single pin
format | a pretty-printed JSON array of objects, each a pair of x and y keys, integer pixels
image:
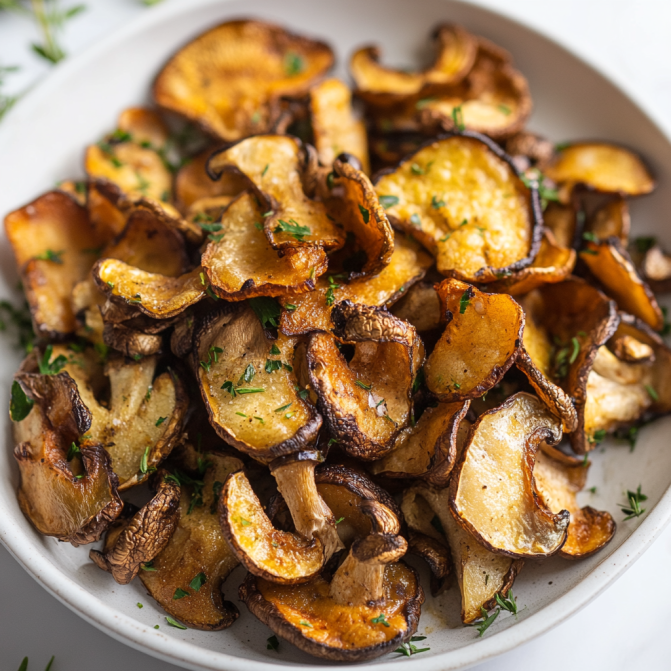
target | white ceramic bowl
[{"x": 42, "y": 141}]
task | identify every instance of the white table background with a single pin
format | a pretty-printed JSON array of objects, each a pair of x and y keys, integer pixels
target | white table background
[{"x": 624, "y": 628}]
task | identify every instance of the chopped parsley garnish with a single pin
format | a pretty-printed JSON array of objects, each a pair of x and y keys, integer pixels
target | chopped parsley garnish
[
  {"x": 546, "y": 193},
  {"x": 590, "y": 236},
  {"x": 339, "y": 520},
  {"x": 248, "y": 375},
  {"x": 179, "y": 594},
  {"x": 198, "y": 581},
  {"x": 381, "y": 619},
  {"x": 148, "y": 566},
  {"x": 275, "y": 350},
  {"x": 417, "y": 169},
  {"x": 19, "y": 404},
  {"x": 267, "y": 310},
  {"x": 504, "y": 109},
  {"x": 272, "y": 365},
  {"x": 436, "y": 204},
  {"x": 458, "y": 119},
  {"x": 363, "y": 385},
  {"x": 48, "y": 367},
  {"x": 211, "y": 228},
  {"x": 293, "y": 64},
  {"x": 73, "y": 451},
  {"x": 174, "y": 623},
  {"x": 418, "y": 381},
  {"x": 464, "y": 301},
  {"x": 364, "y": 213},
  {"x": 388, "y": 201},
  {"x": 273, "y": 643},
  {"x": 597, "y": 437},
  {"x": 409, "y": 649},
  {"x": 144, "y": 466},
  {"x": 304, "y": 623},
  {"x": 652, "y": 393},
  {"x": 633, "y": 507},
  {"x": 212, "y": 357},
  {"x": 290, "y": 307},
  {"x": 293, "y": 228},
  {"x": 265, "y": 170},
  {"x": 284, "y": 407},
  {"x": 160, "y": 421}
]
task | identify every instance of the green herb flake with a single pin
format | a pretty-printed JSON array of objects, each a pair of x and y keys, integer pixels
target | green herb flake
[
  {"x": 292, "y": 228},
  {"x": 437, "y": 203},
  {"x": 304, "y": 623},
  {"x": 149, "y": 565},
  {"x": 198, "y": 581},
  {"x": 272, "y": 643},
  {"x": 381, "y": 619},
  {"x": 590, "y": 236},
  {"x": 652, "y": 393},
  {"x": 144, "y": 467},
  {"x": 487, "y": 621},
  {"x": 174, "y": 623},
  {"x": 73, "y": 451},
  {"x": 388, "y": 201},
  {"x": 284, "y": 407},
  {"x": 574, "y": 352},
  {"x": 363, "y": 385},
  {"x": 19, "y": 404},
  {"x": 633, "y": 507},
  {"x": 464, "y": 301},
  {"x": 508, "y": 603},
  {"x": 179, "y": 594},
  {"x": 265, "y": 170},
  {"x": 267, "y": 310},
  {"x": 458, "y": 119},
  {"x": 364, "y": 213},
  {"x": 293, "y": 64},
  {"x": 160, "y": 421}
]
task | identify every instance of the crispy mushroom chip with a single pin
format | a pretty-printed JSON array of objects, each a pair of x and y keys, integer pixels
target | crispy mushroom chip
[
  {"x": 481, "y": 574},
  {"x": 461, "y": 197},
  {"x": 420, "y": 306},
  {"x": 249, "y": 385},
  {"x": 492, "y": 493},
  {"x": 602, "y": 167},
  {"x": 230, "y": 78},
  {"x": 366, "y": 402},
  {"x": 54, "y": 247},
  {"x": 335, "y": 127},
  {"x": 74, "y": 500},
  {"x": 558, "y": 479},
  {"x": 132, "y": 542},
  {"x": 610, "y": 263},
  {"x": 480, "y": 343},
  {"x": 278, "y": 167},
  {"x": 304, "y": 313},
  {"x": 240, "y": 263},
  {"x": 186, "y": 578},
  {"x": 371, "y": 605},
  {"x": 612, "y": 219}
]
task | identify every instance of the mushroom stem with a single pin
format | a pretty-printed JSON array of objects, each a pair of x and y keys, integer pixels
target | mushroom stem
[{"x": 311, "y": 516}]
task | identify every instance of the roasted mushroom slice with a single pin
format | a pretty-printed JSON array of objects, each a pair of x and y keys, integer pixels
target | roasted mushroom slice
[
  {"x": 230, "y": 78},
  {"x": 277, "y": 167},
  {"x": 334, "y": 124},
  {"x": 141, "y": 422},
  {"x": 481, "y": 574},
  {"x": 535, "y": 149},
  {"x": 241, "y": 264},
  {"x": 53, "y": 243},
  {"x": 492, "y": 492},
  {"x": 427, "y": 450},
  {"x": 278, "y": 556},
  {"x": 135, "y": 541},
  {"x": 611, "y": 219},
  {"x": 462, "y": 198},
  {"x": 75, "y": 501},
  {"x": 249, "y": 385},
  {"x": 187, "y": 576},
  {"x": 304, "y": 313},
  {"x": 558, "y": 479},
  {"x": 603, "y": 167},
  {"x": 480, "y": 343},
  {"x": 656, "y": 268},
  {"x": 106, "y": 218},
  {"x": 420, "y": 306},
  {"x": 437, "y": 557},
  {"x": 370, "y": 588},
  {"x": 357, "y": 208},
  {"x": 561, "y": 220},
  {"x": 366, "y": 402},
  {"x": 493, "y": 98},
  {"x": 383, "y": 87},
  {"x": 610, "y": 263},
  {"x": 577, "y": 319}
]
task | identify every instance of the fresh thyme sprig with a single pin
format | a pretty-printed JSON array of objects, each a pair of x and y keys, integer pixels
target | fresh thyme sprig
[{"x": 633, "y": 508}]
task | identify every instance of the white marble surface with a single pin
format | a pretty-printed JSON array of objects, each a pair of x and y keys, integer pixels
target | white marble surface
[{"x": 624, "y": 628}]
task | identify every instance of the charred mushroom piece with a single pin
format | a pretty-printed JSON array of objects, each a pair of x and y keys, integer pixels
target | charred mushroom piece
[
  {"x": 480, "y": 343},
  {"x": 249, "y": 385},
  {"x": 562, "y": 222},
  {"x": 304, "y": 313},
  {"x": 136, "y": 541},
  {"x": 481, "y": 574},
  {"x": 230, "y": 78},
  {"x": 371, "y": 588},
  {"x": 52, "y": 240},
  {"x": 278, "y": 167},
  {"x": 420, "y": 306},
  {"x": 186, "y": 578},
  {"x": 602, "y": 167},
  {"x": 383, "y": 87},
  {"x": 611, "y": 220},
  {"x": 462, "y": 198},
  {"x": 428, "y": 450},
  {"x": 610, "y": 263},
  {"x": 559, "y": 478},
  {"x": 366, "y": 402},
  {"x": 537, "y": 149},
  {"x": 143, "y": 419},
  {"x": 76, "y": 501},
  {"x": 436, "y": 555},
  {"x": 241, "y": 263},
  {"x": 334, "y": 124},
  {"x": 492, "y": 493},
  {"x": 656, "y": 268}
]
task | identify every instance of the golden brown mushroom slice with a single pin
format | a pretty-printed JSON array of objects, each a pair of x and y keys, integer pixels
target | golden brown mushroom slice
[
  {"x": 536, "y": 149},
  {"x": 143, "y": 418},
  {"x": 145, "y": 127},
  {"x": 135, "y": 541},
  {"x": 553, "y": 263},
  {"x": 603, "y": 167},
  {"x": 54, "y": 247},
  {"x": 562, "y": 221},
  {"x": 370, "y": 588},
  {"x": 187, "y": 576},
  {"x": 241, "y": 263},
  {"x": 304, "y": 313},
  {"x": 74, "y": 500},
  {"x": 577, "y": 318},
  {"x": 558, "y": 479},
  {"x": 278, "y": 556},
  {"x": 366, "y": 402},
  {"x": 277, "y": 167},
  {"x": 611, "y": 220},
  {"x": 384, "y": 87},
  {"x": 420, "y": 306},
  {"x": 335, "y": 127},
  {"x": 427, "y": 450},
  {"x": 462, "y": 198},
  {"x": 492, "y": 492},
  {"x": 228, "y": 79},
  {"x": 493, "y": 99},
  {"x": 481, "y": 574},
  {"x": 480, "y": 343},
  {"x": 355, "y": 205},
  {"x": 610, "y": 263},
  {"x": 249, "y": 385}
]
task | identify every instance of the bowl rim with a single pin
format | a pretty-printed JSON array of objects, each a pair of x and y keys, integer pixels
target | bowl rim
[{"x": 189, "y": 655}]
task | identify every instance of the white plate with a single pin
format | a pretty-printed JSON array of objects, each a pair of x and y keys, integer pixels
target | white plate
[{"x": 42, "y": 141}]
